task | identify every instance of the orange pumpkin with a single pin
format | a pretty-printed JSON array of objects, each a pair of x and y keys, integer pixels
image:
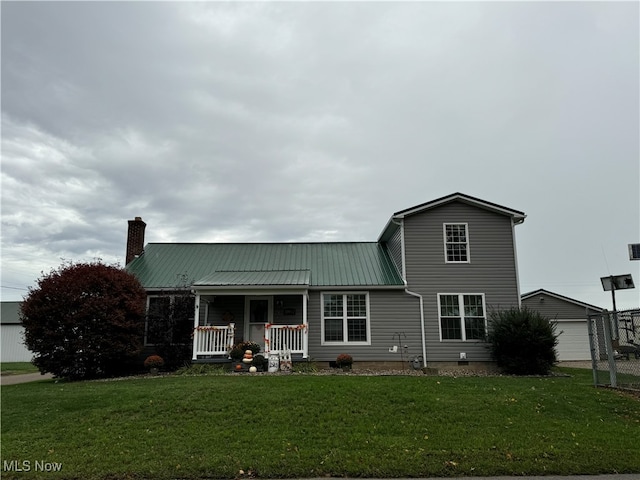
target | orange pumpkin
[{"x": 238, "y": 367}]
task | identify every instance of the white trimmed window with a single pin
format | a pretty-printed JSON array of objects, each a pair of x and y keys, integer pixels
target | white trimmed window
[
  {"x": 456, "y": 243},
  {"x": 345, "y": 318},
  {"x": 462, "y": 316},
  {"x": 169, "y": 319}
]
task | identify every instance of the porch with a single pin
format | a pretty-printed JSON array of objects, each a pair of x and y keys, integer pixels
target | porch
[
  {"x": 270, "y": 311},
  {"x": 211, "y": 341}
]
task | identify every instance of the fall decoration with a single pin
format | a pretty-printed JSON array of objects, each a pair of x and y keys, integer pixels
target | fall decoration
[
  {"x": 344, "y": 360},
  {"x": 154, "y": 361},
  {"x": 239, "y": 349},
  {"x": 248, "y": 356}
]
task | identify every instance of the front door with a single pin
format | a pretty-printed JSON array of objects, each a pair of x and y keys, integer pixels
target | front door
[{"x": 258, "y": 312}]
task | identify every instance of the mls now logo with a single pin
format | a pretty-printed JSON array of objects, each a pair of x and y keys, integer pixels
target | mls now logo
[{"x": 27, "y": 466}]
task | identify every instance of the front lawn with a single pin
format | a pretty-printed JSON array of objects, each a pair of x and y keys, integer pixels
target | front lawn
[{"x": 312, "y": 426}]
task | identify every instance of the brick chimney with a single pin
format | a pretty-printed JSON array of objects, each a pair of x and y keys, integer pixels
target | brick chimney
[{"x": 135, "y": 239}]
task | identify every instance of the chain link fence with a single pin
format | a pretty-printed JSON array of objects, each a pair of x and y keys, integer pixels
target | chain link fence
[{"x": 614, "y": 339}]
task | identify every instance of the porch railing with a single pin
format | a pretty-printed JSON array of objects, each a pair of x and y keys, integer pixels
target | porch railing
[
  {"x": 281, "y": 337},
  {"x": 213, "y": 340}
]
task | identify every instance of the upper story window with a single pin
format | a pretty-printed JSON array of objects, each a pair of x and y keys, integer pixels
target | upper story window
[
  {"x": 456, "y": 242},
  {"x": 462, "y": 317},
  {"x": 345, "y": 318}
]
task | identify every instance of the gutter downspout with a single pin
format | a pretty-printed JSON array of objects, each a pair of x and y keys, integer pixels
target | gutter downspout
[
  {"x": 515, "y": 261},
  {"x": 409, "y": 292},
  {"x": 424, "y": 346}
]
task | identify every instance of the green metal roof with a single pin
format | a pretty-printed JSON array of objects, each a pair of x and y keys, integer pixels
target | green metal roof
[
  {"x": 353, "y": 264},
  {"x": 256, "y": 278}
]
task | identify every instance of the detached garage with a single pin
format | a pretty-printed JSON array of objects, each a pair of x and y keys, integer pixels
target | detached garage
[
  {"x": 570, "y": 317},
  {"x": 13, "y": 348}
]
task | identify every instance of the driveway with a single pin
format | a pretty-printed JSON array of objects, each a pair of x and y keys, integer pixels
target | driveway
[{"x": 27, "y": 377}]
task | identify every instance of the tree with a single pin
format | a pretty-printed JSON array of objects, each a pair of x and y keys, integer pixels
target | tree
[
  {"x": 522, "y": 341},
  {"x": 85, "y": 320}
]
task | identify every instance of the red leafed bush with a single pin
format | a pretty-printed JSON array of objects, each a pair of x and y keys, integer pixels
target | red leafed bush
[{"x": 85, "y": 320}]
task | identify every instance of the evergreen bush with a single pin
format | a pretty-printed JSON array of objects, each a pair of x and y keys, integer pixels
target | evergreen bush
[{"x": 522, "y": 341}]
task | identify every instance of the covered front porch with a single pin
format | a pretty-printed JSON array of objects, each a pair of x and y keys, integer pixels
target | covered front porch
[{"x": 268, "y": 308}]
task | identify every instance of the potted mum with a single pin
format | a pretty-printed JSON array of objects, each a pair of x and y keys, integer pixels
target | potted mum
[
  {"x": 153, "y": 363},
  {"x": 344, "y": 361}
]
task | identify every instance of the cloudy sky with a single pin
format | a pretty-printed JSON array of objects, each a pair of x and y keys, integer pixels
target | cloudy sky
[{"x": 220, "y": 122}]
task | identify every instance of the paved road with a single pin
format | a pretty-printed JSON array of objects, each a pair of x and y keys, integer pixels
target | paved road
[
  {"x": 630, "y": 476},
  {"x": 27, "y": 377}
]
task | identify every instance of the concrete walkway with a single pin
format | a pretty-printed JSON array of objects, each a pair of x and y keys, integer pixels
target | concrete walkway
[{"x": 27, "y": 377}]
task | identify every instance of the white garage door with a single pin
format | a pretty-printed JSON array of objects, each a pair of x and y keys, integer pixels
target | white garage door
[{"x": 573, "y": 340}]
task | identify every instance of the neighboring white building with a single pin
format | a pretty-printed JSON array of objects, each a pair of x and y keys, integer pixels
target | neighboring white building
[
  {"x": 13, "y": 348},
  {"x": 570, "y": 317}
]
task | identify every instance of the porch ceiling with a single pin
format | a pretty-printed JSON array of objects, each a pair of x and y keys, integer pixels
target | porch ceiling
[{"x": 256, "y": 278}]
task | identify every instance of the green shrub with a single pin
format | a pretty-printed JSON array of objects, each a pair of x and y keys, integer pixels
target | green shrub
[
  {"x": 305, "y": 367},
  {"x": 522, "y": 341},
  {"x": 202, "y": 369}
]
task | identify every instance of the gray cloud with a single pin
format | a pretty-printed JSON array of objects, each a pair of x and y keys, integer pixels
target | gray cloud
[{"x": 278, "y": 121}]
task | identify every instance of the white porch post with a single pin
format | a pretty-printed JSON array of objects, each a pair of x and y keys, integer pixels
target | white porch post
[
  {"x": 196, "y": 322},
  {"x": 267, "y": 341},
  {"x": 305, "y": 332}
]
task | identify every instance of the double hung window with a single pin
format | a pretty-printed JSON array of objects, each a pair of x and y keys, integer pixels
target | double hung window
[
  {"x": 345, "y": 318},
  {"x": 169, "y": 319},
  {"x": 456, "y": 243},
  {"x": 462, "y": 317}
]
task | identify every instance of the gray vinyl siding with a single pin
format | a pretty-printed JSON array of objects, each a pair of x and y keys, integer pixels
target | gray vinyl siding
[
  {"x": 395, "y": 250},
  {"x": 391, "y": 311},
  {"x": 555, "y": 308},
  {"x": 491, "y": 270}
]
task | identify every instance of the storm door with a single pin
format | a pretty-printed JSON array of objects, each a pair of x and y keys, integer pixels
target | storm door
[{"x": 258, "y": 312}]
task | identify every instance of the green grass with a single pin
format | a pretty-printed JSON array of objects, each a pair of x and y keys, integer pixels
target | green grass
[
  {"x": 312, "y": 426},
  {"x": 17, "y": 368}
]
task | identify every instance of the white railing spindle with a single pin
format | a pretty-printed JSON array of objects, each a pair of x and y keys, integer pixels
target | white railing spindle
[{"x": 210, "y": 340}]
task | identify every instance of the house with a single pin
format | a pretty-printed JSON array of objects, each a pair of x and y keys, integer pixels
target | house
[
  {"x": 421, "y": 291},
  {"x": 570, "y": 317},
  {"x": 13, "y": 347}
]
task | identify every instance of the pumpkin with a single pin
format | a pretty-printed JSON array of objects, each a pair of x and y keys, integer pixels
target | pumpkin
[
  {"x": 248, "y": 352},
  {"x": 253, "y": 369},
  {"x": 238, "y": 367}
]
